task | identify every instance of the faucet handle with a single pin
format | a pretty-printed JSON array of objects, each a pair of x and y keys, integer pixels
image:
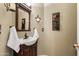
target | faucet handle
[{"x": 25, "y": 36}]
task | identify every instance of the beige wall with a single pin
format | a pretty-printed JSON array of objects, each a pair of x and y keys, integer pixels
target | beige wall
[
  {"x": 60, "y": 42},
  {"x": 6, "y": 20}
]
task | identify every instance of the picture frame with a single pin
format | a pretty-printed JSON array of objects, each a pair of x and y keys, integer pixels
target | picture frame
[{"x": 56, "y": 21}]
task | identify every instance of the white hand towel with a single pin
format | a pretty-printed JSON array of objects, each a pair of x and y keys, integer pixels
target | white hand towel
[
  {"x": 13, "y": 41},
  {"x": 36, "y": 35}
]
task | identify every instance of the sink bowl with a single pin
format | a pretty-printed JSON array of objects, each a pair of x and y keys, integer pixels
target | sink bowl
[{"x": 29, "y": 41}]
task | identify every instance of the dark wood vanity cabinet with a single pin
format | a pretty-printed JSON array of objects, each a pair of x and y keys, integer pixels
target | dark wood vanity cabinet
[{"x": 27, "y": 50}]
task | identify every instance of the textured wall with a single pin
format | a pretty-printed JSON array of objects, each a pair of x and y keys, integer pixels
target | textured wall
[
  {"x": 60, "y": 42},
  {"x": 6, "y": 20}
]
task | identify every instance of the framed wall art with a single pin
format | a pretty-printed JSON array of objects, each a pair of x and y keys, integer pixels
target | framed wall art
[{"x": 56, "y": 21}]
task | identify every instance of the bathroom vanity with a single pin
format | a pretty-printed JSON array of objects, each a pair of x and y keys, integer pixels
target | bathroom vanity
[{"x": 27, "y": 50}]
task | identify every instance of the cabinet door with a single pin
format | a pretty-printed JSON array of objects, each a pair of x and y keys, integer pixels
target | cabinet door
[
  {"x": 26, "y": 52},
  {"x": 33, "y": 50}
]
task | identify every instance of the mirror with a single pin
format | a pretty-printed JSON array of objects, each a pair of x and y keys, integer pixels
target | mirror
[{"x": 22, "y": 17}]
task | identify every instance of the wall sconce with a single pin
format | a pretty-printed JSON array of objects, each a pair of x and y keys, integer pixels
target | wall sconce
[
  {"x": 8, "y": 5},
  {"x": 38, "y": 18}
]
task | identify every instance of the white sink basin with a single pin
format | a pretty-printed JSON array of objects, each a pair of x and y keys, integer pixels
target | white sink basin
[{"x": 29, "y": 41}]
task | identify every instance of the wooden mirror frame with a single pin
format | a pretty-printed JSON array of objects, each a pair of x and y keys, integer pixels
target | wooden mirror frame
[{"x": 25, "y": 8}]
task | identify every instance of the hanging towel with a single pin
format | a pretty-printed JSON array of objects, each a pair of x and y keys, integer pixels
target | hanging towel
[
  {"x": 36, "y": 35},
  {"x": 13, "y": 41}
]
